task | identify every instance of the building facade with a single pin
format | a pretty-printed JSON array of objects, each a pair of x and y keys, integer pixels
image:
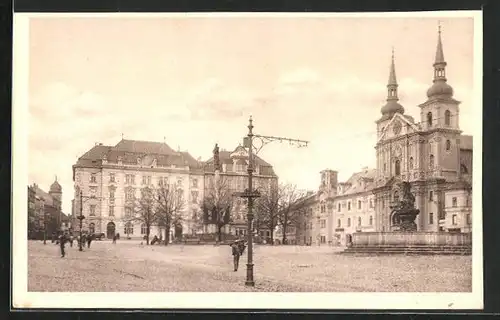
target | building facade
[
  {"x": 234, "y": 172},
  {"x": 108, "y": 180},
  {"x": 432, "y": 155}
]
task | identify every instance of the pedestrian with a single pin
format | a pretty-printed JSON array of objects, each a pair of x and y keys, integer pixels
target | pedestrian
[
  {"x": 236, "y": 251},
  {"x": 62, "y": 242},
  {"x": 114, "y": 239},
  {"x": 84, "y": 240},
  {"x": 89, "y": 240},
  {"x": 71, "y": 240}
]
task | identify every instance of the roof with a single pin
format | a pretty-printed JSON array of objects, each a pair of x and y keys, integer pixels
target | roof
[
  {"x": 466, "y": 142},
  {"x": 353, "y": 185},
  {"x": 225, "y": 157},
  {"x": 130, "y": 150},
  {"x": 48, "y": 200}
]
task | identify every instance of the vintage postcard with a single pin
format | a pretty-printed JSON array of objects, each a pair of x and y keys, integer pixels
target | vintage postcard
[{"x": 251, "y": 160}]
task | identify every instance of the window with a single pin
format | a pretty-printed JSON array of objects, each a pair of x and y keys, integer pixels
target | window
[
  {"x": 130, "y": 179},
  {"x": 371, "y": 203},
  {"x": 93, "y": 178},
  {"x": 385, "y": 167},
  {"x": 339, "y": 223},
  {"x": 429, "y": 119},
  {"x": 383, "y": 203},
  {"x": 454, "y": 202},
  {"x": 397, "y": 168},
  {"x": 128, "y": 212},
  {"x": 349, "y": 206},
  {"x": 111, "y": 211},
  {"x": 463, "y": 169},
  {"x": 92, "y": 210},
  {"x": 431, "y": 218},
  {"x": 371, "y": 220},
  {"x": 112, "y": 177},
  {"x": 359, "y": 221},
  {"x": 130, "y": 194},
  {"x": 195, "y": 183},
  {"x": 146, "y": 180},
  {"x": 129, "y": 228},
  {"x": 448, "y": 145},
  {"x": 396, "y": 196},
  {"x": 194, "y": 196},
  {"x": 92, "y": 227},
  {"x": 323, "y": 239},
  {"x": 338, "y": 207},
  {"x": 447, "y": 117},
  {"x": 93, "y": 192},
  {"x": 431, "y": 196},
  {"x": 411, "y": 162},
  {"x": 359, "y": 204},
  {"x": 431, "y": 161},
  {"x": 468, "y": 219},
  {"x": 322, "y": 223},
  {"x": 144, "y": 230},
  {"x": 454, "y": 219},
  {"x": 348, "y": 222}
]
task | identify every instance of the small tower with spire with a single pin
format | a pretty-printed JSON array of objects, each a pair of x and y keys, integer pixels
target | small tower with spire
[
  {"x": 441, "y": 109},
  {"x": 55, "y": 191},
  {"x": 392, "y": 105}
]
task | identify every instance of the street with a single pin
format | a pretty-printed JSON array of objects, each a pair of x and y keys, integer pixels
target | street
[{"x": 130, "y": 266}]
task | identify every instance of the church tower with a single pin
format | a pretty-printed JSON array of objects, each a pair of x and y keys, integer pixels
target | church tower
[
  {"x": 439, "y": 118},
  {"x": 56, "y": 191}
]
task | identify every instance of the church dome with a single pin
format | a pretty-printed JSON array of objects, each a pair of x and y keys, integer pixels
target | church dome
[
  {"x": 55, "y": 187},
  {"x": 392, "y": 107},
  {"x": 440, "y": 89}
]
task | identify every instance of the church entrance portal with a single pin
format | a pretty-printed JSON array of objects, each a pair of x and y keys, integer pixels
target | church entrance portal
[{"x": 110, "y": 230}]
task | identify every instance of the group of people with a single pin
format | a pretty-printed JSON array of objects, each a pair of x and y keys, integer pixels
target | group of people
[{"x": 67, "y": 237}]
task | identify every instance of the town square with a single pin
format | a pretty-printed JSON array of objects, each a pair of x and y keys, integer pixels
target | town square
[{"x": 194, "y": 162}]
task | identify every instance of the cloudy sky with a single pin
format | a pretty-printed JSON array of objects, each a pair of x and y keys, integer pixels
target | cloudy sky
[{"x": 195, "y": 81}]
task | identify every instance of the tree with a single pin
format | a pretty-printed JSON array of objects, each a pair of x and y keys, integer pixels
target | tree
[
  {"x": 144, "y": 211},
  {"x": 217, "y": 204},
  {"x": 289, "y": 207},
  {"x": 169, "y": 207},
  {"x": 268, "y": 209}
]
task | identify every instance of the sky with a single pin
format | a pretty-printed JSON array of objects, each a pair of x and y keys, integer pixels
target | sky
[{"x": 194, "y": 82}]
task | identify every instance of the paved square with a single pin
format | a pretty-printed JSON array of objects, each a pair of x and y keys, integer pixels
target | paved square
[{"x": 130, "y": 266}]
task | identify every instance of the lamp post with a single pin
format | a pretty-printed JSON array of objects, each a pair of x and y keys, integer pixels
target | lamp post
[
  {"x": 81, "y": 216},
  {"x": 251, "y": 194}
]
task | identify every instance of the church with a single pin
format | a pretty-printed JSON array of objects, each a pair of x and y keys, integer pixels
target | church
[{"x": 430, "y": 153}]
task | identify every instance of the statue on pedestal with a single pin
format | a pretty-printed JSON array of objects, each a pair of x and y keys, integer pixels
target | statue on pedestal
[
  {"x": 403, "y": 213},
  {"x": 216, "y": 158}
]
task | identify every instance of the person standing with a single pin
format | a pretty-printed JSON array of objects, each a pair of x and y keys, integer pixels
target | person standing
[
  {"x": 114, "y": 239},
  {"x": 89, "y": 240},
  {"x": 62, "y": 242},
  {"x": 236, "y": 251}
]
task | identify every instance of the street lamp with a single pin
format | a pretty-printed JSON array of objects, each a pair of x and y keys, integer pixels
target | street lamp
[
  {"x": 81, "y": 217},
  {"x": 252, "y": 194}
]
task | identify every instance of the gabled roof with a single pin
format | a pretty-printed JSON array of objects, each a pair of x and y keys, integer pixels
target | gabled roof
[
  {"x": 404, "y": 118},
  {"x": 48, "y": 200},
  {"x": 466, "y": 142},
  {"x": 354, "y": 186},
  {"x": 225, "y": 157}
]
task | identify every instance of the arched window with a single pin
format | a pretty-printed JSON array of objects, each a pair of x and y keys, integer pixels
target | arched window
[
  {"x": 447, "y": 117},
  {"x": 129, "y": 228},
  {"x": 348, "y": 222},
  {"x": 143, "y": 228},
  {"x": 411, "y": 162},
  {"x": 349, "y": 206},
  {"x": 371, "y": 220},
  {"x": 431, "y": 161},
  {"x": 359, "y": 221},
  {"x": 463, "y": 169},
  {"x": 448, "y": 145},
  {"x": 429, "y": 118},
  {"x": 397, "y": 168},
  {"x": 339, "y": 223}
]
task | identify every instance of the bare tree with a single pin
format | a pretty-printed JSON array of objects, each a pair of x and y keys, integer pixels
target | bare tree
[
  {"x": 268, "y": 209},
  {"x": 217, "y": 204},
  {"x": 144, "y": 211},
  {"x": 170, "y": 206},
  {"x": 289, "y": 207}
]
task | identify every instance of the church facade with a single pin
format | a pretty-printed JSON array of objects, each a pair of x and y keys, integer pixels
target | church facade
[{"x": 431, "y": 154}]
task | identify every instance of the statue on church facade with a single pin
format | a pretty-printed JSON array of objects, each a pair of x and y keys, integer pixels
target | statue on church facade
[{"x": 403, "y": 213}]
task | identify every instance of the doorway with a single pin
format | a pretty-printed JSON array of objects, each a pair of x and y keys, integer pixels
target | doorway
[{"x": 110, "y": 230}]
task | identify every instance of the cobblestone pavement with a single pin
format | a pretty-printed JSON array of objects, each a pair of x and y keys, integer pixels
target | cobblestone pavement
[{"x": 130, "y": 266}]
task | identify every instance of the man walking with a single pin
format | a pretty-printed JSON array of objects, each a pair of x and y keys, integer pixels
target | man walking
[
  {"x": 238, "y": 247},
  {"x": 89, "y": 240},
  {"x": 62, "y": 242}
]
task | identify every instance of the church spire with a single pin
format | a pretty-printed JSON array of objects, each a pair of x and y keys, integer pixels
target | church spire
[
  {"x": 439, "y": 88},
  {"x": 392, "y": 85}
]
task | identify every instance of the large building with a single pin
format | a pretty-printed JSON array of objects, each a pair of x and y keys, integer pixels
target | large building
[
  {"x": 432, "y": 155},
  {"x": 110, "y": 178},
  {"x": 234, "y": 171}
]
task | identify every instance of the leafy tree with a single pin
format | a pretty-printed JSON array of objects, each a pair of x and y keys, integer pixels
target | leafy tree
[
  {"x": 144, "y": 211},
  {"x": 268, "y": 209},
  {"x": 289, "y": 207}
]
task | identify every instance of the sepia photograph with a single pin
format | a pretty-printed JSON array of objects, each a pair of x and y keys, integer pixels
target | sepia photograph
[{"x": 249, "y": 160}]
